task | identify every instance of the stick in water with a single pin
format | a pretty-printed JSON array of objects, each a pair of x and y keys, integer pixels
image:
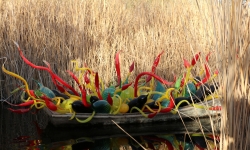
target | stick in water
[{"x": 128, "y": 134}]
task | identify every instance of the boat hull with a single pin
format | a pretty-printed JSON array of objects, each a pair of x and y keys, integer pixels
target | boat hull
[{"x": 184, "y": 113}]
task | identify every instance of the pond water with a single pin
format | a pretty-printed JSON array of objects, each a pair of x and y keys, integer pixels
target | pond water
[{"x": 33, "y": 131}]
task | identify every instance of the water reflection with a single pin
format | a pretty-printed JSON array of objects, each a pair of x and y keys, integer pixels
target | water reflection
[
  {"x": 20, "y": 130},
  {"x": 154, "y": 142},
  {"x": 33, "y": 131}
]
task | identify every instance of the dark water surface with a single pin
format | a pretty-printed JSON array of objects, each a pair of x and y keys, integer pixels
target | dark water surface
[{"x": 32, "y": 131}]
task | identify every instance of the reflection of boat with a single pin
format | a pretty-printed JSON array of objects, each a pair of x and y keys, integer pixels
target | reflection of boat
[
  {"x": 130, "y": 118},
  {"x": 171, "y": 141},
  {"x": 53, "y": 134},
  {"x": 82, "y": 138}
]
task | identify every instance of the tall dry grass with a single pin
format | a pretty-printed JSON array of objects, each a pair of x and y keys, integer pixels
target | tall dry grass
[
  {"x": 232, "y": 24},
  {"x": 92, "y": 31}
]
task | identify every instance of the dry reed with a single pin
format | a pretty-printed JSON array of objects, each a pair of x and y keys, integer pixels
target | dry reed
[
  {"x": 232, "y": 30},
  {"x": 92, "y": 31}
]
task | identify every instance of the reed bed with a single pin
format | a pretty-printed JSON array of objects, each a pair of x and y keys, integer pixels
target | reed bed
[
  {"x": 233, "y": 50},
  {"x": 92, "y": 31}
]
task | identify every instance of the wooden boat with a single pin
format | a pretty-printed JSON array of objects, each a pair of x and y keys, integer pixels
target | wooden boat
[{"x": 187, "y": 112}]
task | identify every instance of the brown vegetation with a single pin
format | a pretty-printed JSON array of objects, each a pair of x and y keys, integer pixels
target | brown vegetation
[{"x": 92, "y": 31}]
